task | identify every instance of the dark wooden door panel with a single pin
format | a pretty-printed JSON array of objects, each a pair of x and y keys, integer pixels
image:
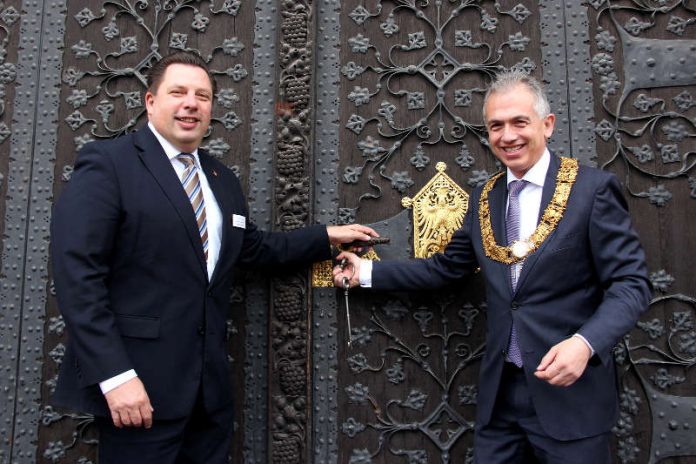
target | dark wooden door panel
[{"x": 621, "y": 83}]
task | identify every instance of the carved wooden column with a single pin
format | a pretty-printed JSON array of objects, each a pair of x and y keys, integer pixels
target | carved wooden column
[{"x": 289, "y": 356}]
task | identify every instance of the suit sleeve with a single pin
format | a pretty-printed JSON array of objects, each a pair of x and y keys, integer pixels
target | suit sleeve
[
  {"x": 456, "y": 262},
  {"x": 83, "y": 234},
  {"x": 619, "y": 261},
  {"x": 304, "y": 245}
]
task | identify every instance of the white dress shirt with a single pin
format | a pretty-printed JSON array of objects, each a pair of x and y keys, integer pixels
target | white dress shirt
[
  {"x": 530, "y": 199},
  {"x": 213, "y": 217}
]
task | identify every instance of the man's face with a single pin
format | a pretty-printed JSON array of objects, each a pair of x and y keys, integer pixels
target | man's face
[
  {"x": 180, "y": 109},
  {"x": 516, "y": 133}
]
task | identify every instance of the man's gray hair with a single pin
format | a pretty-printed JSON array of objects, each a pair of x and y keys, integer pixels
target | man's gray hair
[{"x": 509, "y": 79}]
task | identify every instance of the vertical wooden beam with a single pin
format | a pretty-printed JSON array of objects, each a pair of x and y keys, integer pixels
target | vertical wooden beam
[
  {"x": 567, "y": 75},
  {"x": 324, "y": 349}
]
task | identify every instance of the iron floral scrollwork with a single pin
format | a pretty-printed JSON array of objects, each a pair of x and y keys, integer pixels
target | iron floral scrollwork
[
  {"x": 425, "y": 406},
  {"x": 102, "y": 75},
  {"x": 651, "y": 135},
  {"x": 84, "y": 433},
  {"x": 661, "y": 360},
  {"x": 393, "y": 75}
]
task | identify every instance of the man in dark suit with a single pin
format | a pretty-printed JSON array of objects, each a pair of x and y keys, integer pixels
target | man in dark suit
[
  {"x": 145, "y": 239},
  {"x": 570, "y": 283}
]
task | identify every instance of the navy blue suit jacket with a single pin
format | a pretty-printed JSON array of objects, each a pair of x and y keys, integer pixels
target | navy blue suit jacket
[
  {"x": 131, "y": 279},
  {"x": 588, "y": 277}
]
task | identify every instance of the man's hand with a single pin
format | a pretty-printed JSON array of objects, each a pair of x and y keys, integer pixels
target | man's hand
[
  {"x": 564, "y": 363},
  {"x": 350, "y": 271},
  {"x": 129, "y": 405},
  {"x": 349, "y": 233}
]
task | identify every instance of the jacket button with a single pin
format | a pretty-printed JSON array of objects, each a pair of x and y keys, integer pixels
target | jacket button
[
  {"x": 201, "y": 330},
  {"x": 514, "y": 306}
]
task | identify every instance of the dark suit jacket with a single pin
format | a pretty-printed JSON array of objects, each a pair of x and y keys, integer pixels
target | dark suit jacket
[
  {"x": 131, "y": 277},
  {"x": 589, "y": 277}
]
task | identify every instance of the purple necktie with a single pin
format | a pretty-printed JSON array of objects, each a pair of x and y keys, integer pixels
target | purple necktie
[{"x": 512, "y": 223}]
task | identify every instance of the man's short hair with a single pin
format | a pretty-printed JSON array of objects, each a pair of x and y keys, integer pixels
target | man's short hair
[
  {"x": 156, "y": 72},
  {"x": 509, "y": 79}
]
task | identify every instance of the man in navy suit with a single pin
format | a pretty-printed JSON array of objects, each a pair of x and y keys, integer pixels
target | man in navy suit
[
  {"x": 145, "y": 239},
  {"x": 565, "y": 280}
]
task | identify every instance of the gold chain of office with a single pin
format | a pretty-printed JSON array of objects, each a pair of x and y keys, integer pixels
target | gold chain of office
[{"x": 553, "y": 213}]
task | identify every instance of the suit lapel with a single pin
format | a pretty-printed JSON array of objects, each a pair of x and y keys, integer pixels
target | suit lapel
[
  {"x": 546, "y": 195},
  {"x": 497, "y": 198},
  {"x": 497, "y": 201},
  {"x": 156, "y": 161},
  {"x": 549, "y": 184}
]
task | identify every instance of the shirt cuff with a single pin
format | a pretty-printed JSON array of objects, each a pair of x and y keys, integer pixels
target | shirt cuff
[
  {"x": 365, "y": 275},
  {"x": 116, "y": 381},
  {"x": 592, "y": 351}
]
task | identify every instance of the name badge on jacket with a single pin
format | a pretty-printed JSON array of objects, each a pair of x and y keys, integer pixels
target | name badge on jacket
[{"x": 238, "y": 221}]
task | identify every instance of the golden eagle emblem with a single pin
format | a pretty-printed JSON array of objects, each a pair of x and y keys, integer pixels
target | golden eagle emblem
[{"x": 438, "y": 210}]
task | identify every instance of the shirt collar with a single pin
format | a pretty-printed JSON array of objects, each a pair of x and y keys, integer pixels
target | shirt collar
[
  {"x": 170, "y": 150},
  {"x": 537, "y": 173}
]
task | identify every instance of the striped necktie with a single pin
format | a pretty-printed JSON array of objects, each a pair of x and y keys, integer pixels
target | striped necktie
[
  {"x": 512, "y": 224},
  {"x": 192, "y": 186}
]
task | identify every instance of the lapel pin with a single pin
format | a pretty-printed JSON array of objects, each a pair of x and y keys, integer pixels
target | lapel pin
[{"x": 214, "y": 172}]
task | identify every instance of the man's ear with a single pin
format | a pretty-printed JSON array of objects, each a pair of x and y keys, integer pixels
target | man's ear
[
  {"x": 549, "y": 123},
  {"x": 149, "y": 101}
]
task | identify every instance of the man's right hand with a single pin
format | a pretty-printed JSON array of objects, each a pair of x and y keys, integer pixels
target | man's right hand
[
  {"x": 350, "y": 271},
  {"x": 129, "y": 405}
]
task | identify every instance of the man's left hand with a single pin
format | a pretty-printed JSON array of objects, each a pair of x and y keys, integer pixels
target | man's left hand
[
  {"x": 564, "y": 363},
  {"x": 349, "y": 233}
]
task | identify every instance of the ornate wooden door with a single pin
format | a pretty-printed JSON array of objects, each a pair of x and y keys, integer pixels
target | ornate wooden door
[
  {"x": 412, "y": 74},
  {"x": 333, "y": 111}
]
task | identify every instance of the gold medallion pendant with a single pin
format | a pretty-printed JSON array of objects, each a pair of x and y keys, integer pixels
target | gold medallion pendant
[
  {"x": 553, "y": 213},
  {"x": 520, "y": 248}
]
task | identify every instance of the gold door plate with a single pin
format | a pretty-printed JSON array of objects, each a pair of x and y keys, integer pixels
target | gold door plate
[{"x": 438, "y": 211}]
